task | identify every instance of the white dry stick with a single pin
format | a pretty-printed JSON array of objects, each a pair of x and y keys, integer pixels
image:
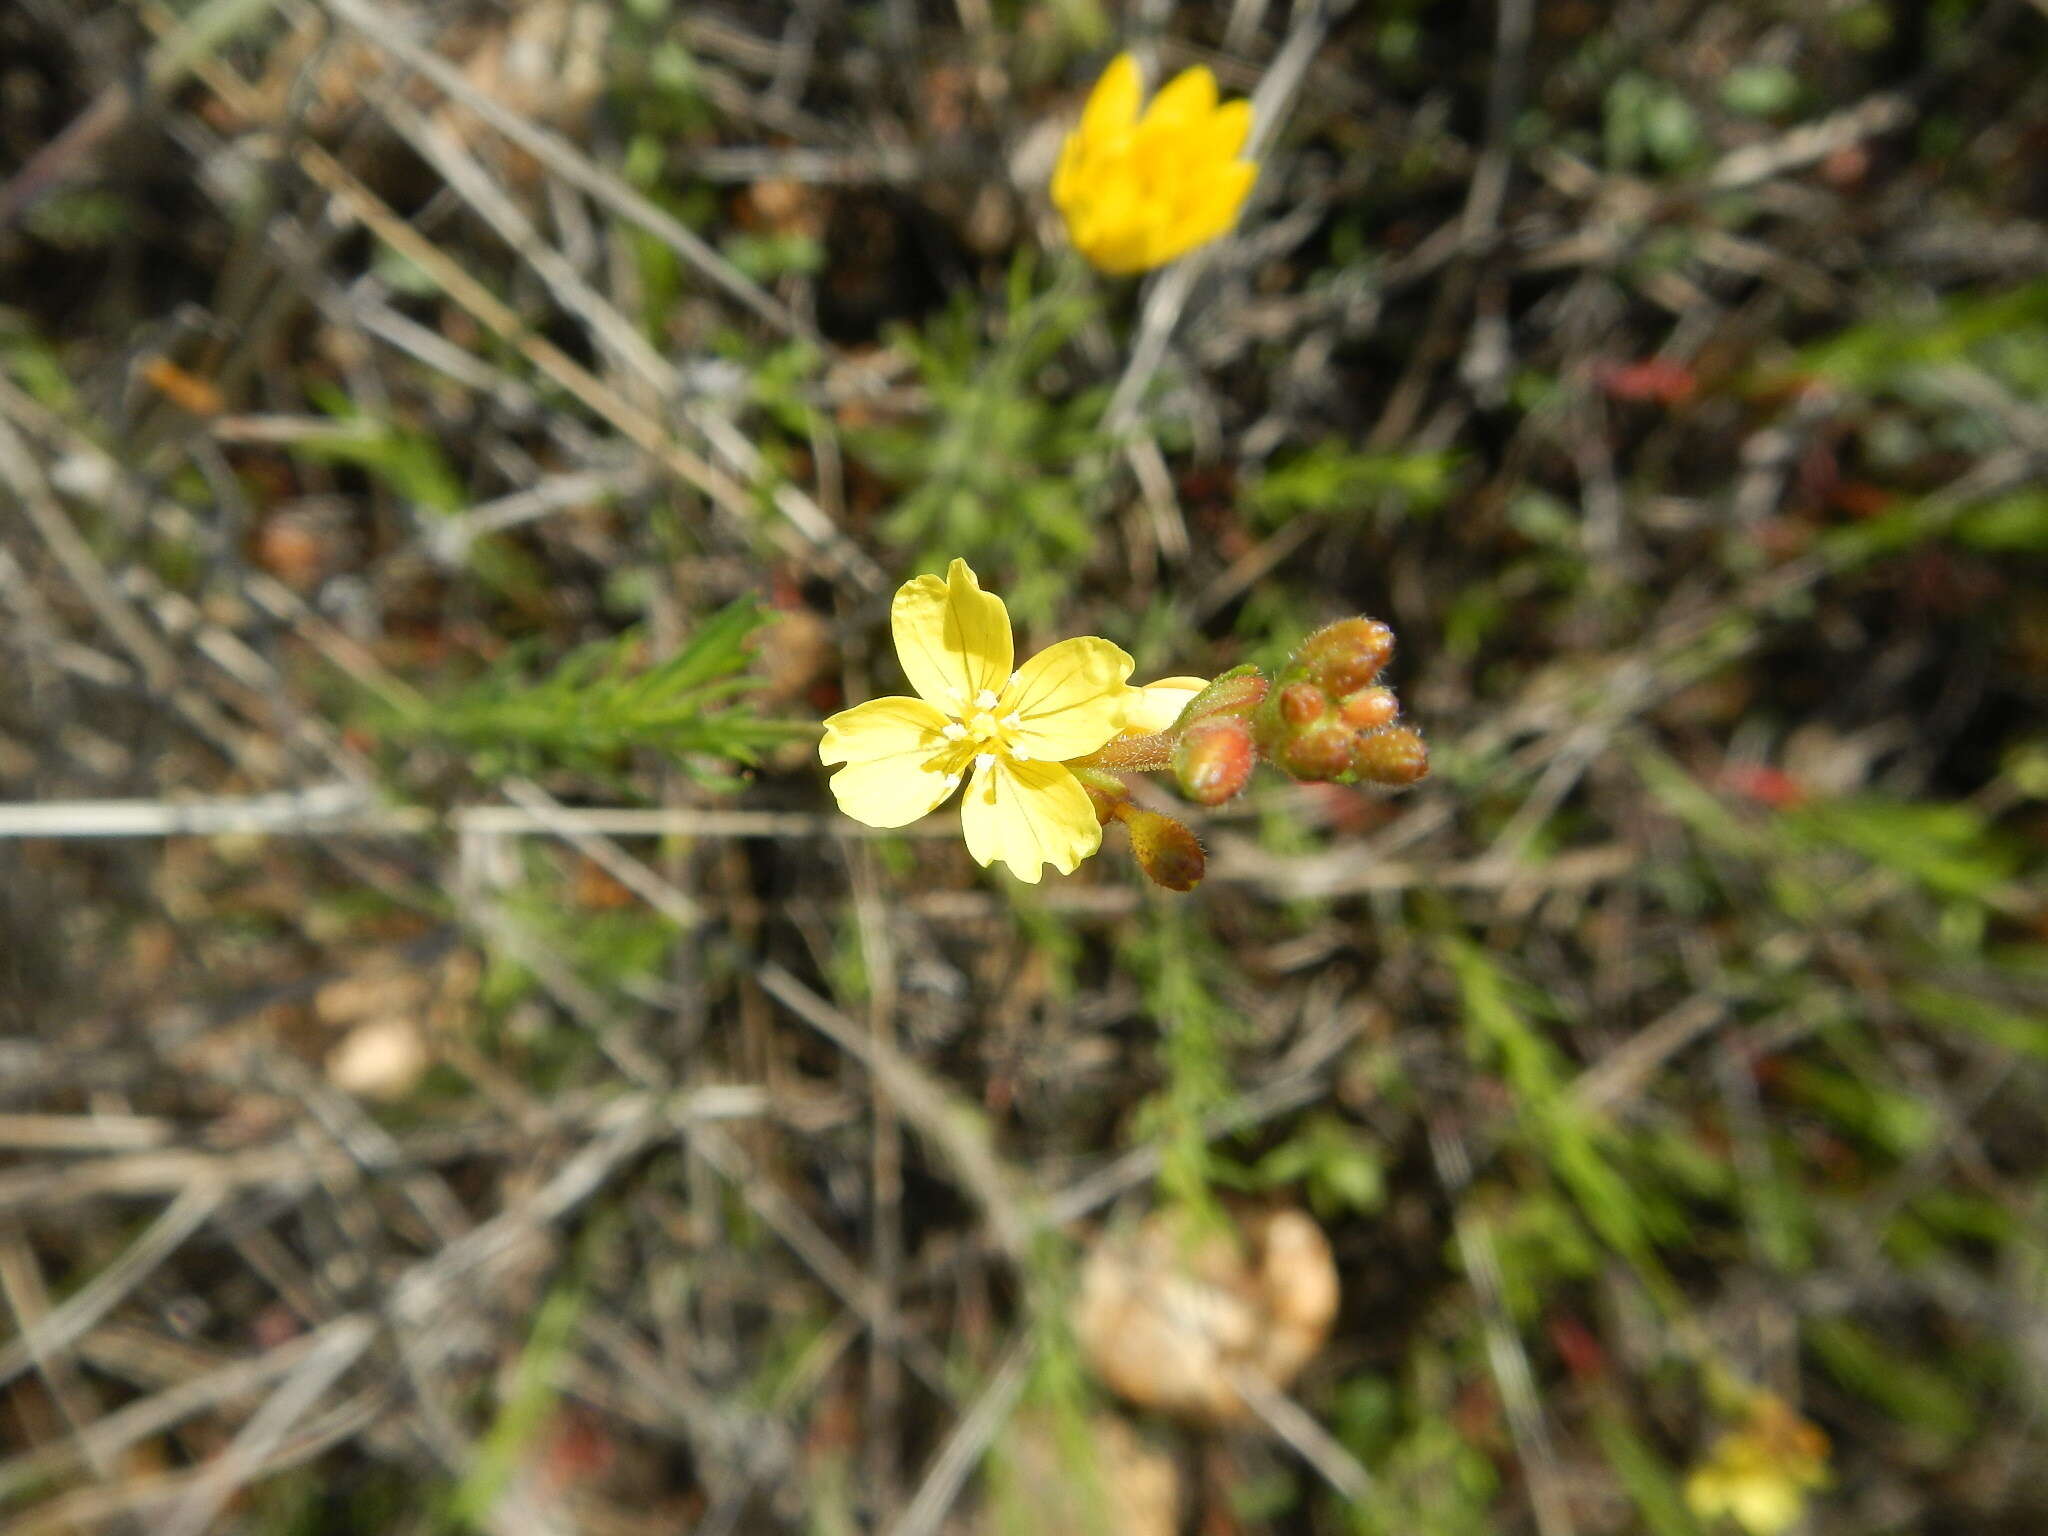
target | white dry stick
[
  {"x": 1504, "y": 1351},
  {"x": 318, "y": 808},
  {"x": 110, "y": 1435},
  {"x": 393, "y": 34},
  {"x": 1271, "y": 103},
  {"x": 475, "y": 185},
  {"x": 964, "y": 1448},
  {"x": 21, "y": 474},
  {"x": 638, "y": 877},
  {"x": 1298, "y": 1427},
  {"x": 341, "y": 1344},
  {"x": 84, "y": 1133},
  {"x": 333, "y": 809},
  {"x": 106, "y": 1290},
  {"x": 1811, "y": 142}
]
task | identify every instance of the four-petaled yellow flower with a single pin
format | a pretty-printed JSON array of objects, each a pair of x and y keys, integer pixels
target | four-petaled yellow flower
[
  {"x": 1136, "y": 192},
  {"x": 1013, "y": 730}
]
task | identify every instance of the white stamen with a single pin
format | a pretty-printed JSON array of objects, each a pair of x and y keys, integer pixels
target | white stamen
[
  {"x": 1012, "y": 720},
  {"x": 952, "y": 782},
  {"x": 1019, "y": 757},
  {"x": 984, "y": 700},
  {"x": 1013, "y": 678},
  {"x": 983, "y": 761},
  {"x": 954, "y": 730}
]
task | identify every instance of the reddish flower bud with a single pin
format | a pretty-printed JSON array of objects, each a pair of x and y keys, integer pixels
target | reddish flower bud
[
  {"x": 1214, "y": 758},
  {"x": 1166, "y": 849},
  {"x": 1392, "y": 757},
  {"x": 1302, "y": 703},
  {"x": 1317, "y": 753},
  {"x": 1369, "y": 709},
  {"x": 1345, "y": 656}
]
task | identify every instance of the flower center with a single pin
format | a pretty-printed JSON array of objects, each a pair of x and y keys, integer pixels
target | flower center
[{"x": 979, "y": 733}]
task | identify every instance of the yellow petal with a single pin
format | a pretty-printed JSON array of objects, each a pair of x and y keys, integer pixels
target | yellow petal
[
  {"x": 1223, "y": 135},
  {"x": 1026, "y": 815},
  {"x": 952, "y": 638},
  {"x": 1212, "y": 213},
  {"x": 1113, "y": 104},
  {"x": 1187, "y": 98},
  {"x": 895, "y": 753},
  {"x": 1070, "y": 177},
  {"x": 1070, "y": 698},
  {"x": 1157, "y": 705},
  {"x": 1116, "y": 245}
]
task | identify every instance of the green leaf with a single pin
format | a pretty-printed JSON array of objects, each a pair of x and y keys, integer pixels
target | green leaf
[
  {"x": 599, "y": 703},
  {"x": 1910, "y": 1392},
  {"x": 1760, "y": 90},
  {"x": 1333, "y": 478},
  {"x": 2024, "y": 1033}
]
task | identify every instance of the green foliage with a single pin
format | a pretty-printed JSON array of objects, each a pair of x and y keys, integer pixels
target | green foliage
[
  {"x": 1882, "y": 356},
  {"x": 1647, "y": 121},
  {"x": 1005, "y": 472},
  {"x": 80, "y": 219},
  {"x": 599, "y": 703},
  {"x": 1760, "y": 90},
  {"x": 766, "y": 257},
  {"x": 524, "y": 1412},
  {"x": 1576, "y": 1145},
  {"x": 1642, "y": 1473},
  {"x": 1330, "y": 477},
  {"x": 2006, "y": 1028},
  {"x": 1917, "y": 1396},
  {"x": 1181, "y": 978},
  {"x": 1336, "y": 1162},
  {"x": 411, "y": 463},
  {"x": 1430, "y": 1480},
  {"x": 1948, "y": 849}
]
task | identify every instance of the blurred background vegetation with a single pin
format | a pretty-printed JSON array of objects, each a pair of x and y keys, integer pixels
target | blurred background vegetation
[{"x": 457, "y": 1071}]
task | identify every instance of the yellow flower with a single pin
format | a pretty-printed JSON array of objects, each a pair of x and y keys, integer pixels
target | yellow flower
[
  {"x": 1015, "y": 730},
  {"x": 1759, "y": 1474},
  {"x": 1138, "y": 191}
]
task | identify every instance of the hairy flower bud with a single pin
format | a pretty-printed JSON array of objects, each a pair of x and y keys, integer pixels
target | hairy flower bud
[
  {"x": 1345, "y": 656},
  {"x": 1214, "y": 758},
  {"x": 1237, "y": 692},
  {"x": 1369, "y": 709},
  {"x": 1317, "y": 752},
  {"x": 1394, "y": 757},
  {"x": 1302, "y": 703},
  {"x": 1167, "y": 851}
]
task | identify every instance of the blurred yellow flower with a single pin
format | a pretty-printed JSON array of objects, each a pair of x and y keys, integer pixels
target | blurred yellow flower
[
  {"x": 1015, "y": 730},
  {"x": 1759, "y": 1474},
  {"x": 1136, "y": 192}
]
